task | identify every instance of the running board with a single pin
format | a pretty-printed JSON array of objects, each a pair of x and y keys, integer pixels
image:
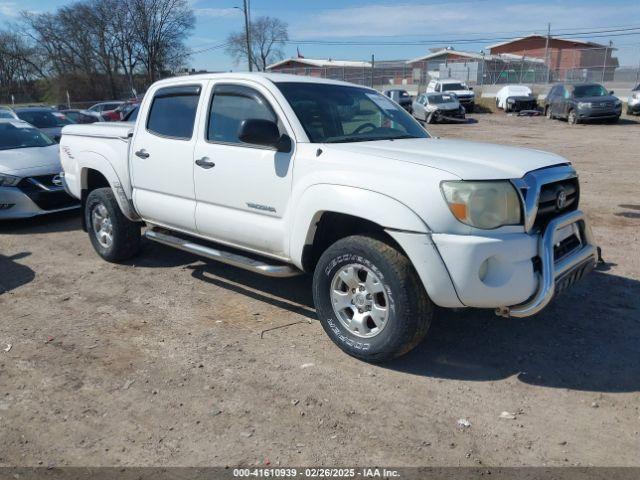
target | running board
[{"x": 240, "y": 261}]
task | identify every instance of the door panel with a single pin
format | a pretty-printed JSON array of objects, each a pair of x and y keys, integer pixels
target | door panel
[
  {"x": 162, "y": 157},
  {"x": 243, "y": 199}
]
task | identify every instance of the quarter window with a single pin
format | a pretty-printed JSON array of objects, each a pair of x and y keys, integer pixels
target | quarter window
[
  {"x": 173, "y": 112},
  {"x": 230, "y": 105}
]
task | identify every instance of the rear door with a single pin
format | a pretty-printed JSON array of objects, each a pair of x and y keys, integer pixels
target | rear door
[
  {"x": 242, "y": 190},
  {"x": 161, "y": 156}
]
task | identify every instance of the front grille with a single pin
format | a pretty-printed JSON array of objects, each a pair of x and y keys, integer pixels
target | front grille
[
  {"x": 51, "y": 197},
  {"x": 548, "y": 204},
  {"x": 602, "y": 105},
  {"x": 565, "y": 247}
]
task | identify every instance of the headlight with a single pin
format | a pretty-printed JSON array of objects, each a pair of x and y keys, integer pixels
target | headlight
[
  {"x": 584, "y": 104},
  {"x": 8, "y": 180},
  {"x": 483, "y": 205},
  {"x": 618, "y": 103}
]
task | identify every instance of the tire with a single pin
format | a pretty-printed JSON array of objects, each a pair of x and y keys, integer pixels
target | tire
[
  {"x": 572, "y": 118},
  {"x": 103, "y": 216},
  {"x": 547, "y": 112},
  {"x": 392, "y": 284},
  {"x": 470, "y": 108}
]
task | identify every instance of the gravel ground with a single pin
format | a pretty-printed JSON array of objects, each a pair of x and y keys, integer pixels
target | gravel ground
[{"x": 171, "y": 360}]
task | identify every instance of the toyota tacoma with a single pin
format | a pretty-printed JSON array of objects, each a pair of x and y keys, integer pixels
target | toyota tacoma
[{"x": 283, "y": 175}]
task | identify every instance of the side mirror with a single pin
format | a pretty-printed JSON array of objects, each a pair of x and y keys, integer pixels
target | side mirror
[
  {"x": 611, "y": 92},
  {"x": 263, "y": 132},
  {"x": 470, "y": 88}
]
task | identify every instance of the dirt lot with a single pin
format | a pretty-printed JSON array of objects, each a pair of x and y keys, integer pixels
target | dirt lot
[{"x": 169, "y": 360}]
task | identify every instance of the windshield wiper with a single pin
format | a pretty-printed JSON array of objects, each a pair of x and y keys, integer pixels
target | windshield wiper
[{"x": 367, "y": 139}]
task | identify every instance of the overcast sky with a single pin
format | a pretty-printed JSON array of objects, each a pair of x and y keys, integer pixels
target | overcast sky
[{"x": 437, "y": 21}]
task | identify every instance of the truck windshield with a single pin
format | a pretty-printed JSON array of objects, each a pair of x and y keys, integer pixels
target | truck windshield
[
  {"x": 15, "y": 136},
  {"x": 337, "y": 113},
  {"x": 448, "y": 87}
]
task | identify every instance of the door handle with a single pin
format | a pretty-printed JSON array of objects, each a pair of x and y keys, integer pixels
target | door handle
[
  {"x": 205, "y": 163},
  {"x": 142, "y": 153}
]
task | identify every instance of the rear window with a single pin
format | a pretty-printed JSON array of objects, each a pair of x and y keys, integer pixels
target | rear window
[
  {"x": 173, "y": 112},
  {"x": 43, "y": 118}
]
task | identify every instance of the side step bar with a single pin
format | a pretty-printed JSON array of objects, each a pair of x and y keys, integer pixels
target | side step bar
[{"x": 240, "y": 261}]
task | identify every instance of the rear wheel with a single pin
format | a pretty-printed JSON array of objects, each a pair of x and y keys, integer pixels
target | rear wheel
[
  {"x": 370, "y": 300},
  {"x": 112, "y": 235}
]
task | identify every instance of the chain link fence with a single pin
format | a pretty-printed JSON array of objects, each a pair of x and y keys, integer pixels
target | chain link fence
[{"x": 569, "y": 65}]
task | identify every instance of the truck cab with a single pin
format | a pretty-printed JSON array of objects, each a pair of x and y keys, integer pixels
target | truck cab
[{"x": 286, "y": 175}]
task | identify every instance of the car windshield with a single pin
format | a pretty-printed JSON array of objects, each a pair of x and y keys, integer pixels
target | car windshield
[
  {"x": 6, "y": 114},
  {"x": 21, "y": 136},
  {"x": 337, "y": 113},
  {"x": 582, "y": 91},
  {"x": 435, "y": 99},
  {"x": 43, "y": 118},
  {"x": 447, "y": 87}
]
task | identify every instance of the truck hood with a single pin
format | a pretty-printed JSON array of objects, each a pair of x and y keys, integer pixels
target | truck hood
[
  {"x": 22, "y": 162},
  {"x": 462, "y": 93},
  {"x": 464, "y": 159}
]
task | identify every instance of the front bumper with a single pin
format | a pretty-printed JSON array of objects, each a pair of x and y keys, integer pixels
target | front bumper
[
  {"x": 518, "y": 273},
  {"x": 558, "y": 274},
  {"x": 598, "y": 113},
  {"x": 17, "y": 203}
]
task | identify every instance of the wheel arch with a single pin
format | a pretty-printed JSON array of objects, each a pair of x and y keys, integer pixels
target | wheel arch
[
  {"x": 97, "y": 172},
  {"x": 325, "y": 213}
]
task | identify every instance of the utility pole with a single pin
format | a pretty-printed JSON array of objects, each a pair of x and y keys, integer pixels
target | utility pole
[
  {"x": 604, "y": 62},
  {"x": 373, "y": 67},
  {"x": 245, "y": 4},
  {"x": 546, "y": 52}
]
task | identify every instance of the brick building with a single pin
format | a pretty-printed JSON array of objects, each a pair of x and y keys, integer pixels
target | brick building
[{"x": 569, "y": 59}]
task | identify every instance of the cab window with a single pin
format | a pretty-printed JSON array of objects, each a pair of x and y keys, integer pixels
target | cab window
[
  {"x": 230, "y": 105},
  {"x": 173, "y": 112}
]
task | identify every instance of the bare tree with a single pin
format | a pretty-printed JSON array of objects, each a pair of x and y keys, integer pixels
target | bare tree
[
  {"x": 161, "y": 26},
  {"x": 268, "y": 36}
]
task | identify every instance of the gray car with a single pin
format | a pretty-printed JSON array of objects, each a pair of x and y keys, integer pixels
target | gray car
[
  {"x": 582, "y": 102},
  {"x": 46, "y": 119},
  {"x": 438, "y": 107}
]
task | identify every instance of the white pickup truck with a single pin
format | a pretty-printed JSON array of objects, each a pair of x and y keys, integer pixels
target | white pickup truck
[{"x": 283, "y": 175}]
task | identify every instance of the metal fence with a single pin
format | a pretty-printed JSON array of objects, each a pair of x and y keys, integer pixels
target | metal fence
[{"x": 527, "y": 67}]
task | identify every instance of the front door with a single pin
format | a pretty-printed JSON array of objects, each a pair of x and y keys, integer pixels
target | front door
[
  {"x": 242, "y": 190},
  {"x": 162, "y": 157}
]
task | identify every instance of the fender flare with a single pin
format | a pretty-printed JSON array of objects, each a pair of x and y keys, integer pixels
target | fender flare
[
  {"x": 96, "y": 161},
  {"x": 318, "y": 199}
]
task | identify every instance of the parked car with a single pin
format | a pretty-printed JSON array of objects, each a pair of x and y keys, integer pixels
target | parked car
[
  {"x": 6, "y": 112},
  {"x": 29, "y": 172},
  {"x": 633, "y": 102},
  {"x": 438, "y": 107},
  {"x": 401, "y": 97},
  {"x": 103, "y": 107},
  {"x": 390, "y": 221},
  {"x": 121, "y": 112},
  {"x": 81, "y": 116},
  {"x": 465, "y": 94},
  {"x": 46, "y": 119},
  {"x": 582, "y": 102},
  {"x": 514, "y": 98}
]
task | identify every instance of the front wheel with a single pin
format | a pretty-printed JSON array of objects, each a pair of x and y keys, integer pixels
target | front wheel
[
  {"x": 112, "y": 235},
  {"x": 370, "y": 300},
  {"x": 572, "y": 118}
]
